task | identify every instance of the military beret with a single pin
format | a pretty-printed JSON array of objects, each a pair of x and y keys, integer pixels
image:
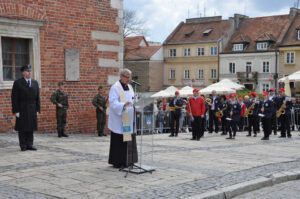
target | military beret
[
  {"x": 100, "y": 87},
  {"x": 26, "y": 67},
  {"x": 60, "y": 84}
]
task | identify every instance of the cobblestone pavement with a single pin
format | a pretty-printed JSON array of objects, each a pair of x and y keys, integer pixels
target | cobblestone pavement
[
  {"x": 76, "y": 167},
  {"x": 281, "y": 191}
]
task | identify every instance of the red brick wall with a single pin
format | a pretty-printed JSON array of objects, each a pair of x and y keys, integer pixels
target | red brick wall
[{"x": 67, "y": 24}]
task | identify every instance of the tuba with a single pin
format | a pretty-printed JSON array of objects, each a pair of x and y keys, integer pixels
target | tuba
[
  {"x": 281, "y": 111},
  {"x": 220, "y": 112},
  {"x": 208, "y": 100},
  {"x": 249, "y": 110}
]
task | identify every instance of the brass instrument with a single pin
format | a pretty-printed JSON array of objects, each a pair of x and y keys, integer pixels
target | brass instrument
[
  {"x": 249, "y": 110},
  {"x": 208, "y": 100},
  {"x": 220, "y": 112},
  {"x": 173, "y": 108},
  {"x": 281, "y": 111}
]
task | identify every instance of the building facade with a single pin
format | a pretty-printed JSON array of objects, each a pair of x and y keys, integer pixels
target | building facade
[{"x": 77, "y": 42}]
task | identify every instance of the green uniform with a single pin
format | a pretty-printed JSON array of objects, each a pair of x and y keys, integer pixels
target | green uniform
[
  {"x": 100, "y": 101},
  {"x": 60, "y": 97}
]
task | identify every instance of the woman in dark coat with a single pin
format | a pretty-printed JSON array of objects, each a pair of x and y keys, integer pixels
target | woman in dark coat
[{"x": 25, "y": 99}]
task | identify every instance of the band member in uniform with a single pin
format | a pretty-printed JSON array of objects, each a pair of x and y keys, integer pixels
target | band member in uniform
[
  {"x": 204, "y": 121},
  {"x": 254, "y": 105},
  {"x": 196, "y": 110},
  {"x": 99, "y": 102},
  {"x": 60, "y": 99},
  {"x": 235, "y": 114},
  {"x": 120, "y": 122},
  {"x": 175, "y": 108},
  {"x": 284, "y": 106},
  {"x": 267, "y": 112},
  {"x": 213, "y": 108},
  {"x": 224, "y": 108},
  {"x": 246, "y": 120},
  {"x": 273, "y": 98},
  {"x": 243, "y": 110},
  {"x": 25, "y": 99}
]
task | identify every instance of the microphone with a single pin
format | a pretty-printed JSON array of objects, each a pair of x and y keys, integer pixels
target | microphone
[{"x": 136, "y": 83}]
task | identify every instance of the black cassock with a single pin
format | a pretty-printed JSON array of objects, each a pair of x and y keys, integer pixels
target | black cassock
[{"x": 26, "y": 101}]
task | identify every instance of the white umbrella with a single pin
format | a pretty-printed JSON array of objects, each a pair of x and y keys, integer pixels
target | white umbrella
[
  {"x": 219, "y": 90},
  {"x": 287, "y": 87},
  {"x": 294, "y": 77},
  {"x": 186, "y": 91},
  {"x": 230, "y": 84},
  {"x": 168, "y": 92},
  {"x": 162, "y": 93}
]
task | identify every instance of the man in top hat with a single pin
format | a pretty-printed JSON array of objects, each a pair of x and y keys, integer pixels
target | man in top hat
[
  {"x": 235, "y": 114},
  {"x": 25, "y": 99},
  {"x": 60, "y": 99},
  {"x": 196, "y": 109},
  {"x": 175, "y": 108},
  {"x": 213, "y": 108},
  {"x": 285, "y": 103},
  {"x": 267, "y": 112},
  {"x": 99, "y": 102},
  {"x": 273, "y": 98},
  {"x": 255, "y": 105}
]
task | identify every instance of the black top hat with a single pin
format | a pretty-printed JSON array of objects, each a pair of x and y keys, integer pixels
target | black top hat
[{"x": 26, "y": 67}]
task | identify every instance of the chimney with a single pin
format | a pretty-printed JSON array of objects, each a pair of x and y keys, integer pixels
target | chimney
[{"x": 293, "y": 12}]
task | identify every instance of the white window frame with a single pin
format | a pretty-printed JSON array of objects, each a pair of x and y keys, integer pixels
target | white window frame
[
  {"x": 187, "y": 52},
  {"x": 290, "y": 58},
  {"x": 200, "y": 74},
  {"x": 248, "y": 64},
  {"x": 24, "y": 29},
  {"x": 262, "y": 45},
  {"x": 213, "y": 74},
  {"x": 298, "y": 34},
  {"x": 186, "y": 74},
  {"x": 173, "y": 52},
  {"x": 238, "y": 47},
  {"x": 213, "y": 51},
  {"x": 200, "y": 51},
  {"x": 265, "y": 87},
  {"x": 172, "y": 74},
  {"x": 232, "y": 68},
  {"x": 266, "y": 67}
]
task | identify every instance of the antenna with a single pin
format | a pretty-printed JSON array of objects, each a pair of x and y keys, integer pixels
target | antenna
[
  {"x": 198, "y": 11},
  {"x": 204, "y": 11},
  {"x": 297, "y": 4},
  {"x": 188, "y": 13}
]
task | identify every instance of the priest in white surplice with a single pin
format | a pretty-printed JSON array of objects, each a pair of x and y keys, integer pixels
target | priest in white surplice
[{"x": 120, "y": 121}]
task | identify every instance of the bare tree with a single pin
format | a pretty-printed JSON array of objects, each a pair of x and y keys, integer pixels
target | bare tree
[{"x": 133, "y": 25}]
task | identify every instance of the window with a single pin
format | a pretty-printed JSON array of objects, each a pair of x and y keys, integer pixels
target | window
[
  {"x": 207, "y": 31},
  {"x": 186, "y": 74},
  {"x": 232, "y": 68},
  {"x": 262, "y": 46},
  {"x": 19, "y": 45},
  {"x": 213, "y": 51},
  {"x": 15, "y": 54},
  {"x": 172, "y": 74},
  {"x": 187, "y": 52},
  {"x": 238, "y": 47},
  {"x": 213, "y": 74},
  {"x": 265, "y": 87},
  {"x": 200, "y": 51},
  {"x": 266, "y": 67},
  {"x": 200, "y": 74},
  {"x": 248, "y": 67},
  {"x": 172, "y": 52},
  {"x": 298, "y": 34},
  {"x": 290, "y": 57}
]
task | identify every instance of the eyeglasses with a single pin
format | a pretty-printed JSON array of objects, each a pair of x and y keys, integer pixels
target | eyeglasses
[{"x": 127, "y": 77}]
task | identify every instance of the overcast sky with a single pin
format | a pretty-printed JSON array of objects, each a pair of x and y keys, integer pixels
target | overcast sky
[{"x": 162, "y": 16}]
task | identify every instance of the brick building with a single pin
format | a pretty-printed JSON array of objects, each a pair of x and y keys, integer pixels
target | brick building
[{"x": 79, "y": 42}]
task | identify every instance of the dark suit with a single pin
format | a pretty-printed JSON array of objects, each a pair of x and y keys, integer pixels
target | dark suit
[
  {"x": 26, "y": 101},
  {"x": 213, "y": 120},
  {"x": 274, "y": 119},
  {"x": 175, "y": 115},
  {"x": 254, "y": 118},
  {"x": 267, "y": 119},
  {"x": 236, "y": 115},
  {"x": 285, "y": 119}
]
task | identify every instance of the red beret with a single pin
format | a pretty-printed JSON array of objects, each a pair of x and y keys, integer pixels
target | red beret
[
  {"x": 177, "y": 92},
  {"x": 195, "y": 90},
  {"x": 281, "y": 90},
  {"x": 233, "y": 95},
  {"x": 227, "y": 96},
  {"x": 253, "y": 93},
  {"x": 265, "y": 93},
  {"x": 272, "y": 89},
  {"x": 240, "y": 98}
]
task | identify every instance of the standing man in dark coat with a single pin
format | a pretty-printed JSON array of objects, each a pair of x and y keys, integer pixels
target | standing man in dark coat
[
  {"x": 235, "y": 114},
  {"x": 267, "y": 113},
  {"x": 175, "y": 109},
  {"x": 273, "y": 98},
  {"x": 25, "y": 100},
  {"x": 60, "y": 99},
  {"x": 213, "y": 108},
  {"x": 285, "y": 119},
  {"x": 99, "y": 102}
]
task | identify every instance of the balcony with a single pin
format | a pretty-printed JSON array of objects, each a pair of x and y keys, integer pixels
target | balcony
[{"x": 247, "y": 76}]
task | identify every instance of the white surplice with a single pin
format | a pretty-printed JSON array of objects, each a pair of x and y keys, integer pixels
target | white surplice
[{"x": 116, "y": 108}]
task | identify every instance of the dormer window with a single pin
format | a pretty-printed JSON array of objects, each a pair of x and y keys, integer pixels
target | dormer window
[
  {"x": 207, "y": 31},
  {"x": 238, "y": 47},
  {"x": 262, "y": 46},
  {"x": 298, "y": 34}
]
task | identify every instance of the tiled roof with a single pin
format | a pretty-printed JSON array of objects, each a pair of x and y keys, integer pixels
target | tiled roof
[
  {"x": 198, "y": 32},
  {"x": 133, "y": 50},
  {"x": 271, "y": 28},
  {"x": 290, "y": 38}
]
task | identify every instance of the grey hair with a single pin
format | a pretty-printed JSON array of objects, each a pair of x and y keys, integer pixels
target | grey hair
[
  {"x": 246, "y": 96},
  {"x": 125, "y": 70}
]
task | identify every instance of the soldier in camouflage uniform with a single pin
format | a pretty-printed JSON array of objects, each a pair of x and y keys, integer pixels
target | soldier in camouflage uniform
[
  {"x": 60, "y": 99},
  {"x": 99, "y": 102}
]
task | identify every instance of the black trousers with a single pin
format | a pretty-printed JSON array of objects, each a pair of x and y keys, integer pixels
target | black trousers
[
  {"x": 197, "y": 125},
  {"x": 285, "y": 121},
  {"x": 274, "y": 124},
  {"x": 174, "y": 118},
  {"x": 25, "y": 139},
  {"x": 253, "y": 123},
  {"x": 267, "y": 126},
  {"x": 241, "y": 124},
  {"x": 233, "y": 125},
  {"x": 213, "y": 120},
  {"x": 223, "y": 121}
]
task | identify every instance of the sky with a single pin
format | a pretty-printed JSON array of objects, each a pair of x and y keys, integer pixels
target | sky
[{"x": 162, "y": 16}]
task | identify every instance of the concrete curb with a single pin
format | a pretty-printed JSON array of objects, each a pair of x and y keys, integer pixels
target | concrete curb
[{"x": 248, "y": 186}]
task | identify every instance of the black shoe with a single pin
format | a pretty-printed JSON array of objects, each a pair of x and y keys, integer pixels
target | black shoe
[
  {"x": 249, "y": 135},
  {"x": 289, "y": 136},
  {"x": 193, "y": 139},
  {"x": 104, "y": 134},
  {"x": 65, "y": 135},
  {"x": 31, "y": 148},
  {"x": 217, "y": 132},
  {"x": 23, "y": 149},
  {"x": 198, "y": 139},
  {"x": 265, "y": 138},
  {"x": 275, "y": 133},
  {"x": 223, "y": 133},
  {"x": 282, "y": 136},
  {"x": 171, "y": 135},
  {"x": 210, "y": 132},
  {"x": 229, "y": 138},
  {"x": 254, "y": 135}
]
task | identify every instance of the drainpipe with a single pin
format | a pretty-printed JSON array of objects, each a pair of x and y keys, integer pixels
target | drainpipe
[{"x": 276, "y": 70}]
